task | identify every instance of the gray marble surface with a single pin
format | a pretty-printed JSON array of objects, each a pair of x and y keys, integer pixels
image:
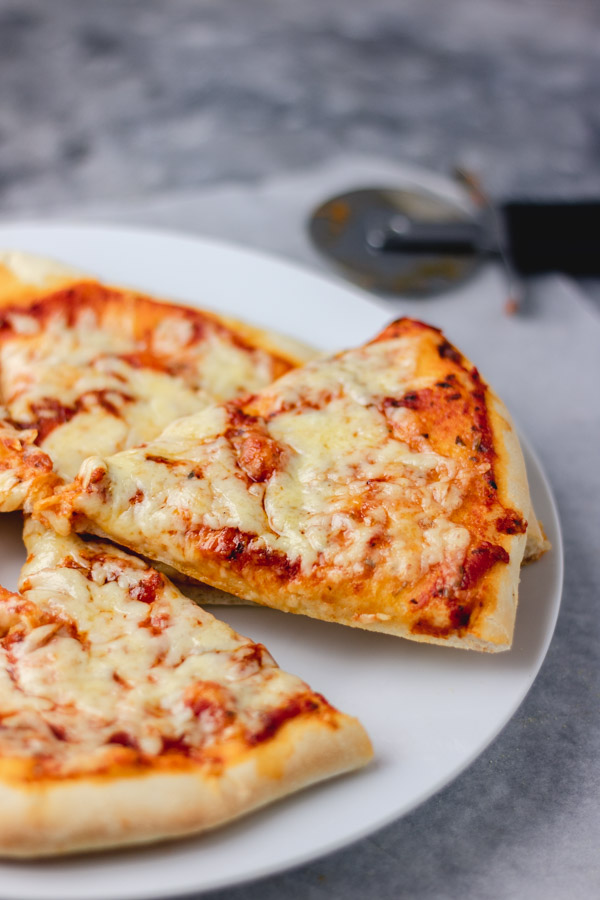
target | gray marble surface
[
  {"x": 146, "y": 108},
  {"x": 126, "y": 98}
]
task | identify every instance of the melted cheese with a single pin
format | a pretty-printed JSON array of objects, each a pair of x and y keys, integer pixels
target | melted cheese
[
  {"x": 349, "y": 495},
  {"x": 97, "y": 662},
  {"x": 23, "y": 467},
  {"x": 81, "y": 373}
]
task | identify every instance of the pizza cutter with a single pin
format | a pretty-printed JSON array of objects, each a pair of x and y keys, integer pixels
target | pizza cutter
[{"x": 412, "y": 241}]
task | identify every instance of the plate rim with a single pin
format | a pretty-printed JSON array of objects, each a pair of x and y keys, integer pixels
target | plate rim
[{"x": 329, "y": 276}]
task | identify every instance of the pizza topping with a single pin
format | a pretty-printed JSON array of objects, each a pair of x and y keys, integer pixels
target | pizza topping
[
  {"x": 81, "y": 678},
  {"x": 324, "y": 499},
  {"x": 373, "y": 471},
  {"x": 125, "y": 740},
  {"x": 258, "y": 455},
  {"x": 240, "y": 548},
  {"x": 272, "y": 720},
  {"x": 146, "y": 589},
  {"x": 212, "y": 703},
  {"x": 479, "y": 561},
  {"x": 48, "y": 413},
  {"x": 95, "y": 370}
]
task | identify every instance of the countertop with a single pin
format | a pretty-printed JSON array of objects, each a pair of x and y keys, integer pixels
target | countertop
[
  {"x": 130, "y": 97},
  {"x": 127, "y": 106}
]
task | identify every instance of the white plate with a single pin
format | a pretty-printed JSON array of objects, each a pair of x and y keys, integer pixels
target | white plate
[{"x": 429, "y": 710}]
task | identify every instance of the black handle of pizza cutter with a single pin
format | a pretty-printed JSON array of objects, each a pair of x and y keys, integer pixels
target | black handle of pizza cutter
[
  {"x": 537, "y": 237},
  {"x": 553, "y": 237}
]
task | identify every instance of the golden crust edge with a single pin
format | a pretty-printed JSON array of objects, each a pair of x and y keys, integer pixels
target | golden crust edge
[
  {"x": 495, "y": 641},
  {"x": 496, "y": 630},
  {"x": 200, "y": 593},
  {"x": 23, "y": 276},
  {"x": 92, "y": 813},
  {"x": 536, "y": 543},
  {"x": 291, "y": 349}
]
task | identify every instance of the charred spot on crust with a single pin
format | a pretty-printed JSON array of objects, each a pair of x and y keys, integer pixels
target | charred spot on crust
[
  {"x": 459, "y": 615},
  {"x": 411, "y": 400},
  {"x": 511, "y": 523},
  {"x": 415, "y": 400},
  {"x": 447, "y": 351}
]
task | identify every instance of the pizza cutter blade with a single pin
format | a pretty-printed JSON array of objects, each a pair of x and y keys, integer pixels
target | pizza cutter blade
[{"x": 399, "y": 241}]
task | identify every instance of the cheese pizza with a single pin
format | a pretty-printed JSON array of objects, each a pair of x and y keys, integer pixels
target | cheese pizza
[
  {"x": 128, "y": 714},
  {"x": 86, "y": 368},
  {"x": 382, "y": 488}
]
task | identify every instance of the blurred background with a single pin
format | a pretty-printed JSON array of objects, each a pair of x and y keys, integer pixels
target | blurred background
[{"x": 131, "y": 98}]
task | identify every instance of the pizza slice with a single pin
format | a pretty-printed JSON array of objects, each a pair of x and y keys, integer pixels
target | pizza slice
[
  {"x": 86, "y": 368},
  {"x": 128, "y": 714},
  {"x": 382, "y": 488}
]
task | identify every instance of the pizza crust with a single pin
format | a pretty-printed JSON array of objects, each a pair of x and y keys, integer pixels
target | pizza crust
[
  {"x": 295, "y": 351},
  {"x": 200, "y": 593},
  {"x": 24, "y": 275},
  {"x": 89, "y": 813}
]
